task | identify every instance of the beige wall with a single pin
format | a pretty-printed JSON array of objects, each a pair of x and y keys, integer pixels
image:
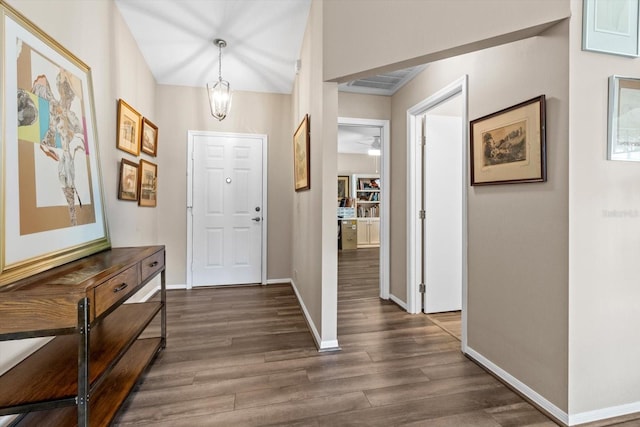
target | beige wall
[
  {"x": 251, "y": 112},
  {"x": 349, "y": 164},
  {"x": 378, "y": 33},
  {"x": 605, "y": 224},
  {"x": 518, "y": 234},
  {"x": 314, "y": 252},
  {"x": 360, "y": 106}
]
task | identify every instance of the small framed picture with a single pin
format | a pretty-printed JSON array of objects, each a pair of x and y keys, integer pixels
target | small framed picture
[
  {"x": 149, "y": 141},
  {"x": 624, "y": 119},
  {"x": 129, "y": 124},
  {"x": 148, "y": 184},
  {"x": 301, "y": 156},
  {"x": 509, "y": 146},
  {"x": 343, "y": 187},
  {"x": 128, "y": 188}
]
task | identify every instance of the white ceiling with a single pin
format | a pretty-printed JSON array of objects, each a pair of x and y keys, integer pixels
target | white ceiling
[
  {"x": 356, "y": 139},
  {"x": 263, "y": 37}
]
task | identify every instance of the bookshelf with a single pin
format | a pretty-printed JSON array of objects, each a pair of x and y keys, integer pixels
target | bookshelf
[{"x": 367, "y": 195}]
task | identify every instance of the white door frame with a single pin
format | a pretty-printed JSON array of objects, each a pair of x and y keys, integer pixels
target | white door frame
[
  {"x": 190, "y": 149},
  {"x": 385, "y": 178},
  {"x": 414, "y": 195}
]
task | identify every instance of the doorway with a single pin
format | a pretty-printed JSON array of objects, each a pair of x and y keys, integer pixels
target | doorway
[
  {"x": 375, "y": 216},
  {"x": 226, "y": 221},
  {"x": 437, "y": 199}
]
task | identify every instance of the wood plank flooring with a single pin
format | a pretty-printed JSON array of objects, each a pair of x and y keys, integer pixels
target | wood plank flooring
[{"x": 243, "y": 356}]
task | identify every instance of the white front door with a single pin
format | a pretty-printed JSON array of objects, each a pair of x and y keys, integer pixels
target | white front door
[
  {"x": 443, "y": 195},
  {"x": 227, "y": 209}
]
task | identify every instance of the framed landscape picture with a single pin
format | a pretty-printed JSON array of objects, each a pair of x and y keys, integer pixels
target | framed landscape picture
[
  {"x": 509, "y": 146},
  {"x": 149, "y": 141},
  {"x": 148, "y": 184},
  {"x": 301, "y": 156},
  {"x": 129, "y": 128},
  {"x": 52, "y": 198}
]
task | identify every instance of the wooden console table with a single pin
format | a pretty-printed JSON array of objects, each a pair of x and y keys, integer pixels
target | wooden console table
[{"x": 82, "y": 376}]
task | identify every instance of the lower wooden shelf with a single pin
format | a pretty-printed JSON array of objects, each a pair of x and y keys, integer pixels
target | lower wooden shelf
[
  {"x": 51, "y": 373},
  {"x": 107, "y": 398}
]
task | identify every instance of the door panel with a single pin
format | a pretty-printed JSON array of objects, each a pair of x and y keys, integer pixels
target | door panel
[
  {"x": 374, "y": 231},
  {"x": 443, "y": 213},
  {"x": 227, "y": 198}
]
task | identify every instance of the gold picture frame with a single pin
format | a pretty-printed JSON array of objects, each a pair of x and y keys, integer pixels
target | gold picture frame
[
  {"x": 129, "y": 128},
  {"x": 52, "y": 197},
  {"x": 148, "y": 184},
  {"x": 343, "y": 187},
  {"x": 128, "y": 182},
  {"x": 149, "y": 138},
  {"x": 301, "y": 156},
  {"x": 509, "y": 146}
]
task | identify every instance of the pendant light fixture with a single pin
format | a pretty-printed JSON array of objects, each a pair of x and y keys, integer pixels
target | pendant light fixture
[{"x": 219, "y": 91}]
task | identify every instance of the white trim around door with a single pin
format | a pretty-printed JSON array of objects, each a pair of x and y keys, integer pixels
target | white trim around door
[
  {"x": 414, "y": 195},
  {"x": 190, "y": 150},
  {"x": 385, "y": 178}
]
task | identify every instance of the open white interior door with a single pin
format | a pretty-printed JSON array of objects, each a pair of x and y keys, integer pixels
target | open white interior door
[{"x": 442, "y": 193}]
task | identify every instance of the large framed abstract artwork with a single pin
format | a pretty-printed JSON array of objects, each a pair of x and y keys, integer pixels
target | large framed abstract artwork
[
  {"x": 51, "y": 204},
  {"x": 509, "y": 146}
]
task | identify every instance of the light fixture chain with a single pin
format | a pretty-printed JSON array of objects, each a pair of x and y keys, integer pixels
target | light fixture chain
[{"x": 219, "y": 62}]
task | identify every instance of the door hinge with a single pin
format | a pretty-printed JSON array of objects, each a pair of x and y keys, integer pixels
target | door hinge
[
  {"x": 424, "y": 140},
  {"x": 422, "y": 214},
  {"x": 422, "y": 288}
]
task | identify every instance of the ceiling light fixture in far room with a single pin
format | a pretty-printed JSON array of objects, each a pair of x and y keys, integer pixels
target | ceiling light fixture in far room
[
  {"x": 219, "y": 91},
  {"x": 375, "y": 147}
]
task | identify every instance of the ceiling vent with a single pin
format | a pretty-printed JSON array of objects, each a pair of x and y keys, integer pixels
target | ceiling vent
[{"x": 382, "y": 84}]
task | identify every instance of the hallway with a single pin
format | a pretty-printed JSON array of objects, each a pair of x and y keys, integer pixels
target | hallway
[{"x": 243, "y": 356}]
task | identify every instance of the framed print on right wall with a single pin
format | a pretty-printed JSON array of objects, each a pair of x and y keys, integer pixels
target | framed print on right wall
[
  {"x": 623, "y": 136},
  {"x": 509, "y": 146},
  {"x": 611, "y": 26}
]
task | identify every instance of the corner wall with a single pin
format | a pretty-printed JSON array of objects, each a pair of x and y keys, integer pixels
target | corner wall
[
  {"x": 517, "y": 233},
  {"x": 604, "y": 208},
  {"x": 314, "y": 245}
]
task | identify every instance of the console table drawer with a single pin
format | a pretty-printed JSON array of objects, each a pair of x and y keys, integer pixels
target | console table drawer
[
  {"x": 152, "y": 264},
  {"x": 116, "y": 288}
]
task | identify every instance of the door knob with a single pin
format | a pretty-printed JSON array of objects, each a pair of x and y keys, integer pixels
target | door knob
[{"x": 256, "y": 219}]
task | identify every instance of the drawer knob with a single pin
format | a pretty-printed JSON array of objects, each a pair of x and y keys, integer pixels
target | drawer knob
[
  {"x": 153, "y": 264},
  {"x": 120, "y": 288}
]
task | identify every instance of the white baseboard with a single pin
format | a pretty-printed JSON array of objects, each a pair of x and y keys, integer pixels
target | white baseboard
[
  {"x": 531, "y": 394},
  {"x": 401, "y": 303},
  {"x": 279, "y": 281},
  {"x": 322, "y": 345},
  {"x": 603, "y": 414},
  {"x": 178, "y": 286}
]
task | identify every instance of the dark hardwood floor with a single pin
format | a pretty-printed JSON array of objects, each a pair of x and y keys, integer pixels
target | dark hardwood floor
[{"x": 243, "y": 356}]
